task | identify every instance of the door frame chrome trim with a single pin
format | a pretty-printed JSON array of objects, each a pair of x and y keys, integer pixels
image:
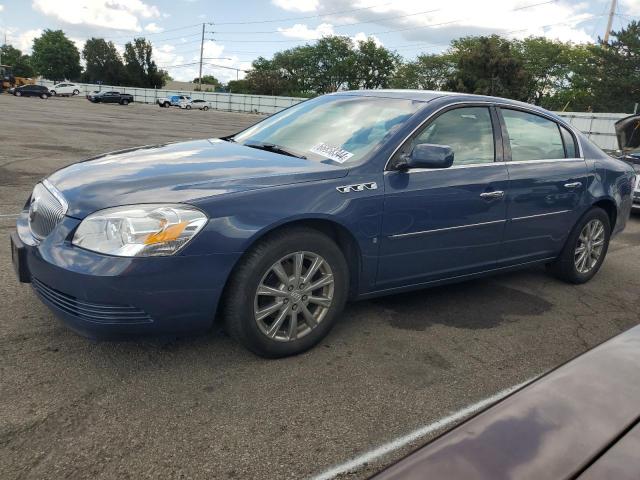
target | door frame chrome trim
[
  {"x": 488, "y": 103},
  {"x": 459, "y": 227},
  {"x": 515, "y": 219},
  {"x": 547, "y": 160}
]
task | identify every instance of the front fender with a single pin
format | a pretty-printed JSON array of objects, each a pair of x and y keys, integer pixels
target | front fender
[{"x": 238, "y": 220}]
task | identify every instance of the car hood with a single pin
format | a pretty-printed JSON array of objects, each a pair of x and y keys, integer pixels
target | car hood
[{"x": 179, "y": 172}]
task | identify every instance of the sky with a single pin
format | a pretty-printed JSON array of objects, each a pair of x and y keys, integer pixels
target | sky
[{"x": 237, "y": 32}]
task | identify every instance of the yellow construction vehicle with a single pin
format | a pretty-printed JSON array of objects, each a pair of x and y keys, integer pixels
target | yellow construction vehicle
[{"x": 9, "y": 80}]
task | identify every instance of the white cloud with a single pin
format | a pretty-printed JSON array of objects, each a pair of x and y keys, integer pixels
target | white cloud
[
  {"x": 22, "y": 40},
  {"x": 303, "y": 32},
  {"x": 167, "y": 58},
  {"x": 630, "y": 7},
  {"x": 297, "y": 5},
  {"x": 1, "y": 7},
  {"x": 363, "y": 37},
  {"x": 153, "y": 28},
  {"x": 116, "y": 14},
  {"x": 456, "y": 18}
]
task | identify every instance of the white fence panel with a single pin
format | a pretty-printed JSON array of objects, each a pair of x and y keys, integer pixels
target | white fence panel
[{"x": 598, "y": 127}]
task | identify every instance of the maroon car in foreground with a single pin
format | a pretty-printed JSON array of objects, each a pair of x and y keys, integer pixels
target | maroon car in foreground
[{"x": 580, "y": 421}]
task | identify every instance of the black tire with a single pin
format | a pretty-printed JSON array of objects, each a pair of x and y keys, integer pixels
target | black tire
[
  {"x": 52, "y": 92},
  {"x": 238, "y": 300},
  {"x": 124, "y": 102},
  {"x": 76, "y": 92},
  {"x": 44, "y": 96},
  {"x": 166, "y": 104},
  {"x": 188, "y": 107},
  {"x": 205, "y": 108},
  {"x": 17, "y": 94},
  {"x": 564, "y": 267}
]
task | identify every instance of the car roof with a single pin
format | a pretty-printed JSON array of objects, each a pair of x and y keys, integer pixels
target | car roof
[{"x": 429, "y": 95}]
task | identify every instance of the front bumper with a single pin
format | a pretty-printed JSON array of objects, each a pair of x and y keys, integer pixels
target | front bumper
[{"x": 101, "y": 296}]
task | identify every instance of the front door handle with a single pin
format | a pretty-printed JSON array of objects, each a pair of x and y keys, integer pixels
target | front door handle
[
  {"x": 573, "y": 185},
  {"x": 496, "y": 194}
]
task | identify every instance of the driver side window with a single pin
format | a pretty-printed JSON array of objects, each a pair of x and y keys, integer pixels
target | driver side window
[{"x": 467, "y": 130}]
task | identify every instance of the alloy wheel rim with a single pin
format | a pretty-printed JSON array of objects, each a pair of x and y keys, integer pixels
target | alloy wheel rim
[
  {"x": 589, "y": 247},
  {"x": 294, "y": 296}
]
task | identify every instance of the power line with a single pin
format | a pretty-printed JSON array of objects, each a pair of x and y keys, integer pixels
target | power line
[
  {"x": 288, "y": 19},
  {"x": 371, "y": 20}
]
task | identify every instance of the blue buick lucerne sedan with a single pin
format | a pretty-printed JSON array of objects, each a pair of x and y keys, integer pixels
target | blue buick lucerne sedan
[{"x": 346, "y": 196}]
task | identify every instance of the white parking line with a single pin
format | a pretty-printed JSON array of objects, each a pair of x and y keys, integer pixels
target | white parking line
[
  {"x": 400, "y": 442},
  {"x": 9, "y": 214}
]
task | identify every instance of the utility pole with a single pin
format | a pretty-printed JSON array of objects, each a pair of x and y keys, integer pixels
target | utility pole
[
  {"x": 201, "y": 52},
  {"x": 612, "y": 12}
]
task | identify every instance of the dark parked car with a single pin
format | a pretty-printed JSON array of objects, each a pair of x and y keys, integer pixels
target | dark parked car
[
  {"x": 32, "y": 91},
  {"x": 580, "y": 421},
  {"x": 110, "y": 97},
  {"x": 346, "y": 196},
  {"x": 628, "y": 133}
]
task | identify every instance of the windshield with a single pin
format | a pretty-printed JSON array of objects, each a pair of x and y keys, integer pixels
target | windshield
[{"x": 332, "y": 129}]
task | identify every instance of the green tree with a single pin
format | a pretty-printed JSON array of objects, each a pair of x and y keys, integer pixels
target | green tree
[
  {"x": 103, "y": 62},
  {"x": 208, "y": 80},
  {"x": 141, "y": 70},
  {"x": 488, "y": 66},
  {"x": 374, "y": 66},
  {"x": 55, "y": 57},
  {"x": 333, "y": 60},
  {"x": 427, "y": 72},
  {"x": 549, "y": 65},
  {"x": 21, "y": 63},
  {"x": 238, "y": 86},
  {"x": 608, "y": 78},
  {"x": 265, "y": 78}
]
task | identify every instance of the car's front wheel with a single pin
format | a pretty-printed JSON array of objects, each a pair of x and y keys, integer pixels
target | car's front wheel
[
  {"x": 44, "y": 96},
  {"x": 17, "y": 94},
  {"x": 76, "y": 92},
  {"x": 286, "y": 293},
  {"x": 53, "y": 93},
  {"x": 585, "y": 249},
  {"x": 205, "y": 108},
  {"x": 124, "y": 102}
]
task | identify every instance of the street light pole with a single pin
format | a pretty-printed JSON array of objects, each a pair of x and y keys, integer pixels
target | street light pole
[
  {"x": 612, "y": 12},
  {"x": 201, "y": 52}
]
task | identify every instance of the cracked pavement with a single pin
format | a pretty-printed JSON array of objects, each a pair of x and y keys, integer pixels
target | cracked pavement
[{"x": 203, "y": 407}]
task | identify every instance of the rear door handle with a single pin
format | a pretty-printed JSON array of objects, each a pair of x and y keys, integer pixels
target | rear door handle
[
  {"x": 573, "y": 185},
  {"x": 496, "y": 194}
]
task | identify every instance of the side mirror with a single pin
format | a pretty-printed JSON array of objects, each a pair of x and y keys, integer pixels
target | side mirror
[{"x": 426, "y": 155}]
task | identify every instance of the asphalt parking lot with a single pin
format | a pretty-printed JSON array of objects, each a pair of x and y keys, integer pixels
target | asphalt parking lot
[{"x": 203, "y": 407}]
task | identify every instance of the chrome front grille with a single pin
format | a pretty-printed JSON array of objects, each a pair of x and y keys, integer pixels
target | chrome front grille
[{"x": 46, "y": 209}]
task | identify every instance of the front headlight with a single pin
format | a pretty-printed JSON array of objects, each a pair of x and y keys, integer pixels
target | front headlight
[{"x": 139, "y": 230}]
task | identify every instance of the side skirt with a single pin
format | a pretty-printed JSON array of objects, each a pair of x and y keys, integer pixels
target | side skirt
[{"x": 444, "y": 281}]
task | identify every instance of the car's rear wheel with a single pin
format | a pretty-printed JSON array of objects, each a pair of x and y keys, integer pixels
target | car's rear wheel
[
  {"x": 76, "y": 92},
  {"x": 585, "y": 249},
  {"x": 205, "y": 108},
  {"x": 286, "y": 293},
  {"x": 53, "y": 93},
  {"x": 124, "y": 102},
  {"x": 188, "y": 107},
  {"x": 44, "y": 96},
  {"x": 166, "y": 104},
  {"x": 17, "y": 94}
]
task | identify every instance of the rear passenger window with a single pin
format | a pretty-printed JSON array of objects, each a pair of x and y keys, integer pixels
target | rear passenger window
[
  {"x": 569, "y": 143},
  {"x": 467, "y": 130},
  {"x": 532, "y": 137}
]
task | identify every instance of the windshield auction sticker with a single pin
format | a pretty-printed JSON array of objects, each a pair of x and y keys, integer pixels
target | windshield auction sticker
[{"x": 336, "y": 154}]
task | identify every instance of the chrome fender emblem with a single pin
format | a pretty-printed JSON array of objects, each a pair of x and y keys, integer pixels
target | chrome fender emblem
[
  {"x": 358, "y": 187},
  {"x": 33, "y": 208}
]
